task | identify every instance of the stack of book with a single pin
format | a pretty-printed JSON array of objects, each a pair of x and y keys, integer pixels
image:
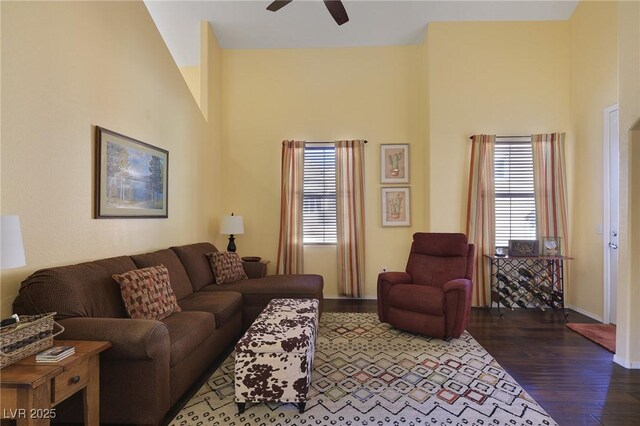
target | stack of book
[{"x": 55, "y": 354}]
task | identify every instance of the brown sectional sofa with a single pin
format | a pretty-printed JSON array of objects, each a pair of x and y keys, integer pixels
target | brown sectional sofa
[{"x": 153, "y": 363}]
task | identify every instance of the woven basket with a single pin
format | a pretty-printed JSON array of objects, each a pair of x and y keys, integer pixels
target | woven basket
[{"x": 34, "y": 333}]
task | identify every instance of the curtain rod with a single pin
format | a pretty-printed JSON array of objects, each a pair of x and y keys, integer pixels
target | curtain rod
[
  {"x": 508, "y": 136},
  {"x": 366, "y": 141}
]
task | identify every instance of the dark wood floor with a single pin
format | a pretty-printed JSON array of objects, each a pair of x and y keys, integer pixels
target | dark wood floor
[{"x": 573, "y": 379}]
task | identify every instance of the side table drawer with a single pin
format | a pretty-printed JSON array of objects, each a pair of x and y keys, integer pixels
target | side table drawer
[{"x": 69, "y": 382}]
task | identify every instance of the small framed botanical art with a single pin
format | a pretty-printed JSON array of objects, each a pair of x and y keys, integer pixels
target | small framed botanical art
[
  {"x": 396, "y": 207},
  {"x": 551, "y": 246},
  {"x": 131, "y": 177},
  {"x": 394, "y": 163},
  {"x": 523, "y": 248}
]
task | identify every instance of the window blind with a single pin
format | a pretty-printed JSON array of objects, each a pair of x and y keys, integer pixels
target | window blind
[
  {"x": 319, "y": 195},
  {"x": 515, "y": 207}
]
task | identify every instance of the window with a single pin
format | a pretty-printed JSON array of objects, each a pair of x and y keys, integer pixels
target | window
[
  {"x": 515, "y": 213},
  {"x": 319, "y": 194}
]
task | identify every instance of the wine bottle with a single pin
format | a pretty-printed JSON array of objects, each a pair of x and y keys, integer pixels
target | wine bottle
[
  {"x": 505, "y": 291},
  {"x": 502, "y": 278},
  {"x": 507, "y": 302},
  {"x": 525, "y": 273}
]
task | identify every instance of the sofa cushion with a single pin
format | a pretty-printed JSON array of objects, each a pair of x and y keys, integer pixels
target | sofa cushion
[
  {"x": 227, "y": 267},
  {"x": 196, "y": 263},
  {"x": 147, "y": 293},
  {"x": 177, "y": 275},
  {"x": 417, "y": 298},
  {"x": 222, "y": 304},
  {"x": 83, "y": 290},
  {"x": 187, "y": 330}
]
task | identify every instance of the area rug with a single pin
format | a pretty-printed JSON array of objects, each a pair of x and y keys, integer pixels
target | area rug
[
  {"x": 602, "y": 334},
  {"x": 367, "y": 373}
]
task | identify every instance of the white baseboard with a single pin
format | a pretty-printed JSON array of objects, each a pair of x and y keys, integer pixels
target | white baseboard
[
  {"x": 585, "y": 313},
  {"x": 626, "y": 364}
]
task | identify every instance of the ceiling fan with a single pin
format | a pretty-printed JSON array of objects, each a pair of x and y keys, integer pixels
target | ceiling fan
[{"x": 335, "y": 7}]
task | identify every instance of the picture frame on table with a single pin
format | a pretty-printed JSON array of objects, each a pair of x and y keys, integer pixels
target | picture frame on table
[
  {"x": 131, "y": 177},
  {"x": 394, "y": 163},
  {"x": 523, "y": 248},
  {"x": 396, "y": 206},
  {"x": 551, "y": 246}
]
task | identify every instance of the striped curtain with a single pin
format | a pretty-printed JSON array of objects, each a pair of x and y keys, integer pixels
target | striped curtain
[
  {"x": 290, "y": 244},
  {"x": 481, "y": 213},
  {"x": 550, "y": 183},
  {"x": 350, "y": 216}
]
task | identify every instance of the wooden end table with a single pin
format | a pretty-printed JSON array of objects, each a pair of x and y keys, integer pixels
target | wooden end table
[{"x": 29, "y": 390}]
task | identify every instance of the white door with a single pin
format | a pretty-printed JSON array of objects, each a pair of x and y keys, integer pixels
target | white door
[{"x": 612, "y": 184}]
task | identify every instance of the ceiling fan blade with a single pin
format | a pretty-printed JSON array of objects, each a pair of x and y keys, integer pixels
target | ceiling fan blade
[
  {"x": 278, "y": 4},
  {"x": 337, "y": 10}
]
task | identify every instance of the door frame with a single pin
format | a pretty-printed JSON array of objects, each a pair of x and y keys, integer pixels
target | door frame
[{"x": 606, "y": 213}]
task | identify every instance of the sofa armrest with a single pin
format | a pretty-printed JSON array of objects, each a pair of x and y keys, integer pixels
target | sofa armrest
[
  {"x": 255, "y": 269},
  {"x": 136, "y": 339}
]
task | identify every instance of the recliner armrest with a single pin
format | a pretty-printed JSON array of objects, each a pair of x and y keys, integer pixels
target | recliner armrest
[
  {"x": 457, "y": 284},
  {"x": 457, "y": 295},
  {"x": 137, "y": 339},
  {"x": 395, "y": 277},
  {"x": 386, "y": 280}
]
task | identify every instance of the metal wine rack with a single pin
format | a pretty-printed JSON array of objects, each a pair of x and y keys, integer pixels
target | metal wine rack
[{"x": 535, "y": 282}]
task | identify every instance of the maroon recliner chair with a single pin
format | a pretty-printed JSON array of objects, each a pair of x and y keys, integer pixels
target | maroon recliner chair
[{"x": 433, "y": 296}]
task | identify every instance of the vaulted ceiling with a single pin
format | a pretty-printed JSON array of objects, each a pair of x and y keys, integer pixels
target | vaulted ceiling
[{"x": 246, "y": 24}]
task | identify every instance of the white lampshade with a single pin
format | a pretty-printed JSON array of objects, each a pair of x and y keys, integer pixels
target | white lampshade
[
  {"x": 12, "y": 254},
  {"x": 232, "y": 225}
]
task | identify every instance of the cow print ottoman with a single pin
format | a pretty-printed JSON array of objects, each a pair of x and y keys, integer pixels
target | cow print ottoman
[{"x": 274, "y": 358}]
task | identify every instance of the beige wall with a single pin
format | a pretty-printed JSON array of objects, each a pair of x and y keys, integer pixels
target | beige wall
[
  {"x": 594, "y": 86},
  {"x": 210, "y": 163},
  {"x": 628, "y": 330},
  {"x": 191, "y": 76},
  {"x": 507, "y": 78},
  {"x": 66, "y": 67},
  {"x": 319, "y": 95}
]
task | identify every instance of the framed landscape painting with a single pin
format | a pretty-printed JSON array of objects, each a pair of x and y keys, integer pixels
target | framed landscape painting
[
  {"x": 396, "y": 207},
  {"x": 131, "y": 177},
  {"x": 394, "y": 163}
]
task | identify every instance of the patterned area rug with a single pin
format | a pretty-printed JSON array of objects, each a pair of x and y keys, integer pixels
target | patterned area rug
[{"x": 367, "y": 373}]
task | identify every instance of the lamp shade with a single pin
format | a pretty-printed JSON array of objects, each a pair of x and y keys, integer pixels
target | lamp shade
[
  {"x": 12, "y": 254},
  {"x": 232, "y": 225}
]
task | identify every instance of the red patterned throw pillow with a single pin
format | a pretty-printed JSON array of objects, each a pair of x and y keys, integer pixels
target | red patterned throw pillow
[
  {"x": 147, "y": 293},
  {"x": 227, "y": 267}
]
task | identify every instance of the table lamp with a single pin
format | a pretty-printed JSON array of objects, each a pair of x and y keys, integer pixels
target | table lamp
[
  {"x": 231, "y": 225},
  {"x": 12, "y": 252}
]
